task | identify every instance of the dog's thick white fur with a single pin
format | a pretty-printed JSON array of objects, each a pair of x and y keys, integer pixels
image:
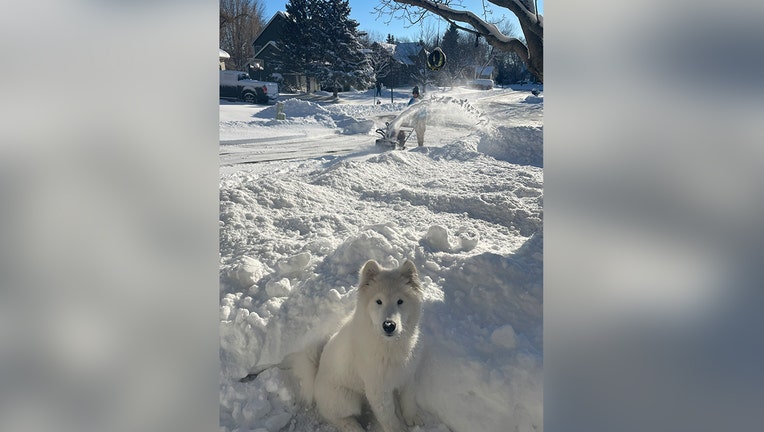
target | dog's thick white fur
[{"x": 374, "y": 354}]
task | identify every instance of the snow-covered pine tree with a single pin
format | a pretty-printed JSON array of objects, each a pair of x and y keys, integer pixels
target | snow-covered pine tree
[
  {"x": 341, "y": 58},
  {"x": 298, "y": 42},
  {"x": 450, "y": 45}
]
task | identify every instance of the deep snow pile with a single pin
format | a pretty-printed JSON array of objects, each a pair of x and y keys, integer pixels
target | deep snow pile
[
  {"x": 293, "y": 236},
  {"x": 526, "y": 149},
  {"x": 300, "y": 111}
]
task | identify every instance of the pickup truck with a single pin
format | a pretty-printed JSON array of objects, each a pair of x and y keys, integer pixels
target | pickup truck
[{"x": 237, "y": 85}]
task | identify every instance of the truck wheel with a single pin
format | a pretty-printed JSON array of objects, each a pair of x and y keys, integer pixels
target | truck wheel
[{"x": 249, "y": 97}]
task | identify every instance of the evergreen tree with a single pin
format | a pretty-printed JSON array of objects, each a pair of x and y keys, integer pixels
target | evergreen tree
[
  {"x": 299, "y": 35},
  {"x": 390, "y": 39},
  {"x": 450, "y": 43},
  {"x": 340, "y": 59},
  {"x": 455, "y": 51}
]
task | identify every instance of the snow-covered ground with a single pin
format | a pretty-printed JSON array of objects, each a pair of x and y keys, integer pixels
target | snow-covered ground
[{"x": 306, "y": 200}]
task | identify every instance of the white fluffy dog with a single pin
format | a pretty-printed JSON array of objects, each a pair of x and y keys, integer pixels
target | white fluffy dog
[{"x": 374, "y": 354}]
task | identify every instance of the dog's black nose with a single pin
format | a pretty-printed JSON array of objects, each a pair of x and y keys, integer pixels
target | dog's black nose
[{"x": 388, "y": 327}]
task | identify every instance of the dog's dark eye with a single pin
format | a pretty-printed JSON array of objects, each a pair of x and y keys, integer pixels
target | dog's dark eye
[
  {"x": 379, "y": 301},
  {"x": 400, "y": 301}
]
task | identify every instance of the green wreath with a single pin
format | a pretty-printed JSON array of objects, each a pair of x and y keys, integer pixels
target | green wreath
[{"x": 436, "y": 59}]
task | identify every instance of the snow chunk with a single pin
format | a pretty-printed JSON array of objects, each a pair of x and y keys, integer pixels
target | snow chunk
[
  {"x": 468, "y": 239},
  {"x": 295, "y": 265},
  {"x": 278, "y": 288},
  {"x": 255, "y": 410},
  {"x": 247, "y": 272},
  {"x": 504, "y": 336},
  {"x": 381, "y": 242},
  {"x": 437, "y": 239},
  {"x": 334, "y": 295},
  {"x": 225, "y": 313}
]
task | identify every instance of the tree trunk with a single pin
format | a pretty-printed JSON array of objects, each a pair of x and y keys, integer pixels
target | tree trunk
[{"x": 534, "y": 60}]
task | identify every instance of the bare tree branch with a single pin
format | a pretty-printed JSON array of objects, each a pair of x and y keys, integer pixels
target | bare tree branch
[
  {"x": 240, "y": 21},
  {"x": 226, "y": 18},
  {"x": 531, "y": 52}
]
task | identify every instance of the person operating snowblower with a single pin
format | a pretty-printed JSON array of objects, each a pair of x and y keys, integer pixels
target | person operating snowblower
[
  {"x": 412, "y": 119},
  {"x": 419, "y": 120}
]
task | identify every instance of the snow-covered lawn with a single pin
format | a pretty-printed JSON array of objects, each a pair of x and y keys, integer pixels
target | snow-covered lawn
[{"x": 305, "y": 201}]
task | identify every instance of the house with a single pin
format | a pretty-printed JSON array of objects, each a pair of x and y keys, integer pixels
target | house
[
  {"x": 271, "y": 32},
  {"x": 405, "y": 53},
  {"x": 267, "y": 49},
  {"x": 410, "y": 54},
  {"x": 410, "y": 59}
]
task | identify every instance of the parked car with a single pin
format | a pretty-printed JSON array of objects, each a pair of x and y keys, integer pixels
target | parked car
[
  {"x": 238, "y": 85},
  {"x": 483, "y": 84}
]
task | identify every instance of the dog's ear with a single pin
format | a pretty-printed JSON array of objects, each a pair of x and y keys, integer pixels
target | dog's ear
[
  {"x": 409, "y": 273},
  {"x": 369, "y": 271}
]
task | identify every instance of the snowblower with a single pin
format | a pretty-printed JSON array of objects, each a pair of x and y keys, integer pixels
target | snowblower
[{"x": 393, "y": 137}]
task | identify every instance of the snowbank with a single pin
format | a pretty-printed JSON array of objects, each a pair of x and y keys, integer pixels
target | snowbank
[
  {"x": 522, "y": 145},
  {"x": 293, "y": 236},
  {"x": 298, "y": 111}
]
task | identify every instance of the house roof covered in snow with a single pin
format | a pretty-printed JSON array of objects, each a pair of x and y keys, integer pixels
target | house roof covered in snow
[
  {"x": 269, "y": 46},
  {"x": 406, "y": 52},
  {"x": 390, "y": 48}
]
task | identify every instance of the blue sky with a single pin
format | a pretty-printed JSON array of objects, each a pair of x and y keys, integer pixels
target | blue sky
[{"x": 363, "y": 12}]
